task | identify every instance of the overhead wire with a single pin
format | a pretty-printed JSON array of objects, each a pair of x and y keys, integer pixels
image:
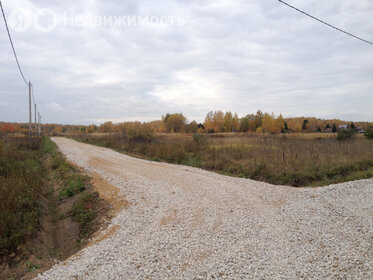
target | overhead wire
[
  {"x": 11, "y": 42},
  {"x": 16, "y": 57},
  {"x": 328, "y": 24}
]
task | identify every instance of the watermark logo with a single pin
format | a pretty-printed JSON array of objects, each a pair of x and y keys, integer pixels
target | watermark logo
[
  {"x": 46, "y": 20},
  {"x": 20, "y": 20}
]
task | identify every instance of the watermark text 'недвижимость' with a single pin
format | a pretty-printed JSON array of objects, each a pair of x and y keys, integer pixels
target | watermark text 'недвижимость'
[{"x": 46, "y": 20}]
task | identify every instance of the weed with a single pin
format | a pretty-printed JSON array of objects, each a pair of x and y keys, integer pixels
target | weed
[
  {"x": 84, "y": 212},
  {"x": 31, "y": 267},
  {"x": 47, "y": 146},
  {"x": 74, "y": 185}
]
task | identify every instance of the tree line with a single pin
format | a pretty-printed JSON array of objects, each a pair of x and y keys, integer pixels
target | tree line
[{"x": 214, "y": 122}]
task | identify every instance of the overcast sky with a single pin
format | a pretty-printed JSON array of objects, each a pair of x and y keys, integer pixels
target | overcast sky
[{"x": 195, "y": 56}]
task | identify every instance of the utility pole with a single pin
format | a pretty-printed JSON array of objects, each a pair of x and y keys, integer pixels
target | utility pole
[{"x": 29, "y": 108}]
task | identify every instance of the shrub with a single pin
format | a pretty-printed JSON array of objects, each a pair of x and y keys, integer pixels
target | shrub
[
  {"x": 200, "y": 139},
  {"x": 84, "y": 212},
  {"x": 369, "y": 133},
  {"x": 141, "y": 135},
  {"x": 346, "y": 134}
]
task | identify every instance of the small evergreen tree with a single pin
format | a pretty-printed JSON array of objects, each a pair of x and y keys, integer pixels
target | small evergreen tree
[
  {"x": 334, "y": 129},
  {"x": 286, "y": 128},
  {"x": 304, "y": 126},
  {"x": 327, "y": 126},
  {"x": 346, "y": 134}
]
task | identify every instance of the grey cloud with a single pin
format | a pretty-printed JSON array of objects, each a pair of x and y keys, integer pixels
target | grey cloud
[{"x": 231, "y": 55}]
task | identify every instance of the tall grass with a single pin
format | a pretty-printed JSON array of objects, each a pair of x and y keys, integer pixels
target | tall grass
[
  {"x": 21, "y": 182},
  {"x": 28, "y": 173},
  {"x": 291, "y": 160},
  {"x": 298, "y": 160}
]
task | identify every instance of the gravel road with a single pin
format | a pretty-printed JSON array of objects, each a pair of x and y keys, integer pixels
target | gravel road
[{"x": 187, "y": 223}]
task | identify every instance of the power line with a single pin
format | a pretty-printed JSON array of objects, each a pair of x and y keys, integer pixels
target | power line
[
  {"x": 37, "y": 116},
  {"x": 11, "y": 42},
  {"x": 319, "y": 20}
]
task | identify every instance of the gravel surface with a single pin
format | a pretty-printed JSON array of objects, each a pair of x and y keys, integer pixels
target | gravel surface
[{"x": 186, "y": 223}]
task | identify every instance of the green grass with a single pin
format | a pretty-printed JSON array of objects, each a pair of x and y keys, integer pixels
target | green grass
[
  {"x": 84, "y": 212},
  {"x": 31, "y": 267},
  {"x": 28, "y": 173},
  {"x": 72, "y": 181},
  {"x": 21, "y": 184},
  {"x": 73, "y": 186},
  {"x": 297, "y": 160}
]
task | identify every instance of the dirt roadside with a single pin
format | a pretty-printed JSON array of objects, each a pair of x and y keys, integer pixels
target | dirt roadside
[{"x": 59, "y": 238}]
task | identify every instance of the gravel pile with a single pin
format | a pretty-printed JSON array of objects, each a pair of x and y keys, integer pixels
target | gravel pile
[{"x": 186, "y": 223}]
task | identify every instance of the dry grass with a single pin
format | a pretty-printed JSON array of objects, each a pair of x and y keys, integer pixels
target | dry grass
[
  {"x": 47, "y": 207},
  {"x": 21, "y": 182},
  {"x": 292, "y": 159}
]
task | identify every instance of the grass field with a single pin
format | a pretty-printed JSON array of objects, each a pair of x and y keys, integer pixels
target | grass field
[
  {"x": 292, "y": 159},
  {"x": 47, "y": 207}
]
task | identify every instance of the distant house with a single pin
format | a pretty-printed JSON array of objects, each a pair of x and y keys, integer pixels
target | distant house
[
  {"x": 359, "y": 129},
  {"x": 343, "y": 126}
]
